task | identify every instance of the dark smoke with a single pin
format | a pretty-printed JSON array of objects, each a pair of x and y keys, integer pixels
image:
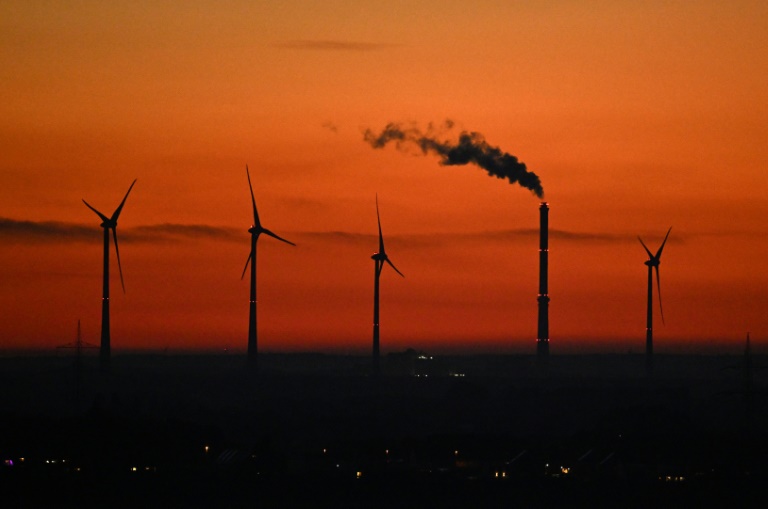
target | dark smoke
[{"x": 471, "y": 148}]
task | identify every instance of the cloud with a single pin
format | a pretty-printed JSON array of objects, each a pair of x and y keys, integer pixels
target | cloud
[
  {"x": 331, "y": 126},
  {"x": 332, "y": 45},
  {"x": 12, "y": 230},
  {"x": 311, "y": 206},
  {"x": 588, "y": 236},
  {"x": 515, "y": 235},
  {"x": 15, "y": 231},
  {"x": 512, "y": 235},
  {"x": 177, "y": 232},
  {"x": 341, "y": 237}
]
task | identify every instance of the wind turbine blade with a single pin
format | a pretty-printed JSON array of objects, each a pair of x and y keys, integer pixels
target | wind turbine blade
[
  {"x": 120, "y": 207},
  {"x": 102, "y": 216},
  {"x": 246, "y": 266},
  {"x": 378, "y": 219},
  {"x": 658, "y": 253},
  {"x": 646, "y": 247},
  {"x": 117, "y": 251},
  {"x": 256, "y": 221},
  {"x": 658, "y": 287},
  {"x": 393, "y": 266},
  {"x": 267, "y": 232}
]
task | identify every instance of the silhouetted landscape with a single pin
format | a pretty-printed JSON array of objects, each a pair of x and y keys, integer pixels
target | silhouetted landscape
[
  {"x": 597, "y": 165},
  {"x": 317, "y": 430}
]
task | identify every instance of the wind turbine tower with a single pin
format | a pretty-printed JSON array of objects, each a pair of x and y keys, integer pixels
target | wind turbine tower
[
  {"x": 255, "y": 230},
  {"x": 108, "y": 223},
  {"x": 653, "y": 262},
  {"x": 379, "y": 258}
]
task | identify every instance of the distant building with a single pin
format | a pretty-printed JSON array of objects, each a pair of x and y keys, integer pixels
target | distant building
[{"x": 416, "y": 363}]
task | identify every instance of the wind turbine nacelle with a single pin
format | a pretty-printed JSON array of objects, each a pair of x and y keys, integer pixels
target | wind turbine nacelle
[{"x": 378, "y": 257}]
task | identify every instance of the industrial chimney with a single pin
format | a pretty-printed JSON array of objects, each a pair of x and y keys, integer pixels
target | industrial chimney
[{"x": 542, "y": 341}]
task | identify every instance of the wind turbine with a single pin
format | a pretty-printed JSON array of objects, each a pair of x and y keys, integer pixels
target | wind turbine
[
  {"x": 379, "y": 258},
  {"x": 653, "y": 262},
  {"x": 255, "y": 230},
  {"x": 108, "y": 223}
]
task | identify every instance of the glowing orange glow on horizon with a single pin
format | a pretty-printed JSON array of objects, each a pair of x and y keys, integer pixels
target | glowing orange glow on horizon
[{"x": 631, "y": 118}]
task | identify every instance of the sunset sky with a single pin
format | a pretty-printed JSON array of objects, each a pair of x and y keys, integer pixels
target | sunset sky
[{"x": 637, "y": 116}]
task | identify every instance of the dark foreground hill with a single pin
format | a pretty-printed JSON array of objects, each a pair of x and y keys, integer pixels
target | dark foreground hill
[{"x": 319, "y": 431}]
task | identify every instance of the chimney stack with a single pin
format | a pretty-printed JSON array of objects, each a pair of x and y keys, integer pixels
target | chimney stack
[{"x": 542, "y": 341}]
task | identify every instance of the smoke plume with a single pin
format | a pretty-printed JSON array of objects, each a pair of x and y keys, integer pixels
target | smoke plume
[{"x": 470, "y": 148}]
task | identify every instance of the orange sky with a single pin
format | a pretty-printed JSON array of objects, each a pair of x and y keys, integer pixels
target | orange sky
[{"x": 636, "y": 117}]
